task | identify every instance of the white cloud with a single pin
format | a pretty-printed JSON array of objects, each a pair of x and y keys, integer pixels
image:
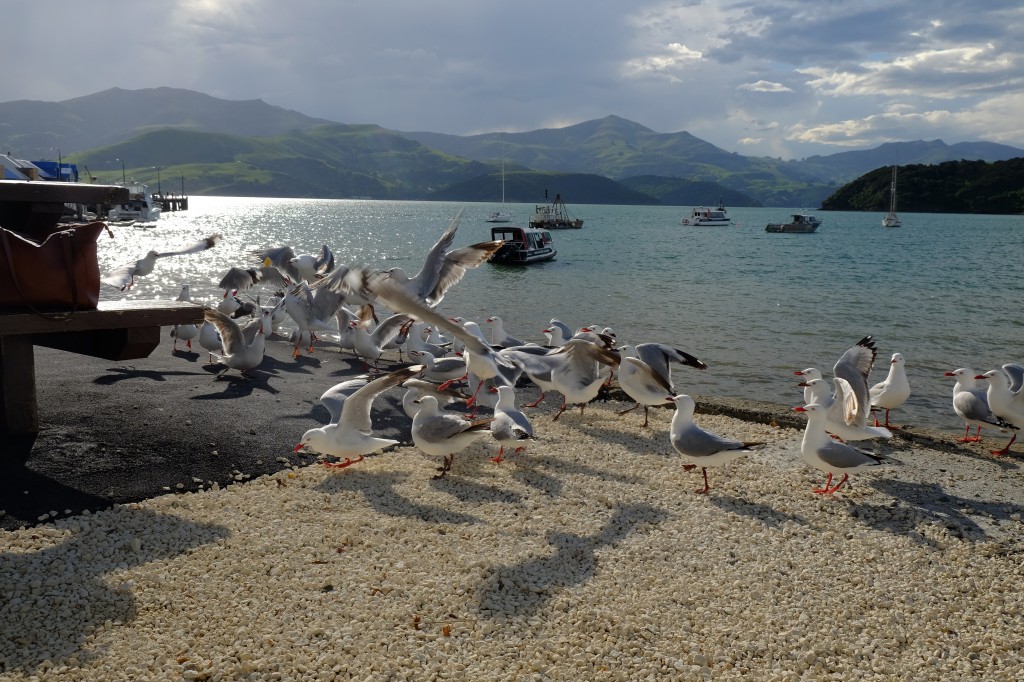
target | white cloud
[{"x": 765, "y": 86}]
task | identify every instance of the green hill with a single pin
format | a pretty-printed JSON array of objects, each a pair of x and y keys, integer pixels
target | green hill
[{"x": 950, "y": 187}]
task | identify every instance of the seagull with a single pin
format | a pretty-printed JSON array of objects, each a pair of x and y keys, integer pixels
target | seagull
[
  {"x": 242, "y": 279},
  {"x": 124, "y": 276},
  {"x": 579, "y": 377},
  {"x": 971, "y": 404},
  {"x": 443, "y": 434},
  {"x": 556, "y": 336},
  {"x": 645, "y": 375},
  {"x": 442, "y": 268},
  {"x": 371, "y": 344},
  {"x": 237, "y": 353},
  {"x": 510, "y": 426},
  {"x": 854, "y": 366},
  {"x": 893, "y": 391},
  {"x": 311, "y": 311},
  {"x": 209, "y": 340},
  {"x": 1005, "y": 398},
  {"x": 565, "y": 330},
  {"x": 500, "y": 337},
  {"x": 440, "y": 369},
  {"x": 821, "y": 452},
  {"x": 811, "y": 373},
  {"x": 837, "y": 406},
  {"x": 417, "y": 388},
  {"x": 350, "y": 433},
  {"x": 702, "y": 448},
  {"x": 184, "y": 332},
  {"x": 298, "y": 267},
  {"x": 481, "y": 359}
]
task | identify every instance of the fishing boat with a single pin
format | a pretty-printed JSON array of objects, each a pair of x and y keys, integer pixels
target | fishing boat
[
  {"x": 801, "y": 223},
  {"x": 708, "y": 217},
  {"x": 501, "y": 216},
  {"x": 891, "y": 219},
  {"x": 523, "y": 245},
  {"x": 554, "y": 216},
  {"x": 140, "y": 206}
]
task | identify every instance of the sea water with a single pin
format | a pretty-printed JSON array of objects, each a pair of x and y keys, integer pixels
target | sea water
[{"x": 943, "y": 290}]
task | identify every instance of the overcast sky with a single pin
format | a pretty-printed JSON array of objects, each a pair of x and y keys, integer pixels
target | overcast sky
[{"x": 760, "y": 77}]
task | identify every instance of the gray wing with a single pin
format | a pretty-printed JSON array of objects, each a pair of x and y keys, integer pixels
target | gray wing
[
  {"x": 385, "y": 332},
  {"x": 658, "y": 355},
  {"x": 842, "y": 456},
  {"x": 280, "y": 257},
  {"x": 973, "y": 405},
  {"x": 325, "y": 262},
  {"x": 334, "y": 397},
  {"x": 455, "y": 265},
  {"x": 231, "y": 337},
  {"x": 378, "y": 284},
  {"x": 242, "y": 279},
  {"x": 201, "y": 245},
  {"x": 854, "y": 366},
  {"x": 696, "y": 442},
  {"x": 426, "y": 279},
  {"x": 511, "y": 425},
  {"x": 299, "y": 304},
  {"x": 1016, "y": 374},
  {"x": 355, "y": 413}
]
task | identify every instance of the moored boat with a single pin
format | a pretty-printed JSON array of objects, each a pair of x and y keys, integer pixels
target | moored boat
[
  {"x": 801, "y": 223},
  {"x": 708, "y": 217},
  {"x": 523, "y": 245},
  {"x": 554, "y": 216},
  {"x": 891, "y": 219},
  {"x": 140, "y": 206}
]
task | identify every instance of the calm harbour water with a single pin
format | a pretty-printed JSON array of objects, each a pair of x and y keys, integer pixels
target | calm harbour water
[{"x": 943, "y": 290}]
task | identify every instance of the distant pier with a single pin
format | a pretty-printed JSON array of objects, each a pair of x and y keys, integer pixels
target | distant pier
[{"x": 171, "y": 202}]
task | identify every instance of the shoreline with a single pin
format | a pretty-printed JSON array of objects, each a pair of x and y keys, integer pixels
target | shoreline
[{"x": 114, "y": 433}]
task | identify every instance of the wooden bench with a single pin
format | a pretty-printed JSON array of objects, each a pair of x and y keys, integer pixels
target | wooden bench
[{"x": 117, "y": 330}]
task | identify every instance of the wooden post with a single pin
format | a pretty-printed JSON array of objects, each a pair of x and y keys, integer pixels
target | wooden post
[{"x": 19, "y": 413}]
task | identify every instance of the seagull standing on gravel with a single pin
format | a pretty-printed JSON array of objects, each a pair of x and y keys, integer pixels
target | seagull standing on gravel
[
  {"x": 893, "y": 391},
  {"x": 821, "y": 452},
  {"x": 702, "y": 448},
  {"x": 350, "y": 433},
  {"x": 1006, "y": 398},
  {"x": 184, "y": 332},
  {"x": 124, "y": 276},
  {"x": 645, "y": 374},
  {"x": 579, "y": 376},
  {"x": 510, "y": 427},
  {"x": 971, "y": 404},
  {"x": 499, "y": 336},
  {"x": 443, "y": 434}
]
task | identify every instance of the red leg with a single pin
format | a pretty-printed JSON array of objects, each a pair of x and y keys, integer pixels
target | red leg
[
  {"x": 536, "y": 402},
  {"x": 846, "y": 477},
  {"x": 498, "y": 459},
  {"x": 706, "y": 488},
  {"x": 1006, "y": 450},
  {"x": 824, "y": 490},
  {"x": 560, "y": 410},
  {"x": 627, "y": 411}
]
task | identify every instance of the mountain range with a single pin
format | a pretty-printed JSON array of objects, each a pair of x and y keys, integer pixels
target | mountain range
[{"x": 249, "y": 148}]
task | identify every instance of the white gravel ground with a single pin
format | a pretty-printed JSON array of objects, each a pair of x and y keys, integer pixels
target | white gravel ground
[{"x": 588, "y": 557}]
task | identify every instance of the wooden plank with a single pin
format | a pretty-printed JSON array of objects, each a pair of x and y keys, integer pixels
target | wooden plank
[
  {"x": 18, "y": 411},
  {"x": 109, "y": 315}
]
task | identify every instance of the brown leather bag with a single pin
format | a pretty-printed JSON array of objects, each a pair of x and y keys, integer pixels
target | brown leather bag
[{"x": 60, "y": 275}]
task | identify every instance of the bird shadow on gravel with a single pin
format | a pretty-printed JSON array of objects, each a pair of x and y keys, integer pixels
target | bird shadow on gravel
[
  {"x": 61, "y": 593},
  {"x": 519, "y": 591},
  {"x": 379, "y": 491},
  {"x": 541, "y": 472},
  {"x": 930, "y": 503},
  {"x": 116, "y": 374},
  {"x": 755, "y": 510}
]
